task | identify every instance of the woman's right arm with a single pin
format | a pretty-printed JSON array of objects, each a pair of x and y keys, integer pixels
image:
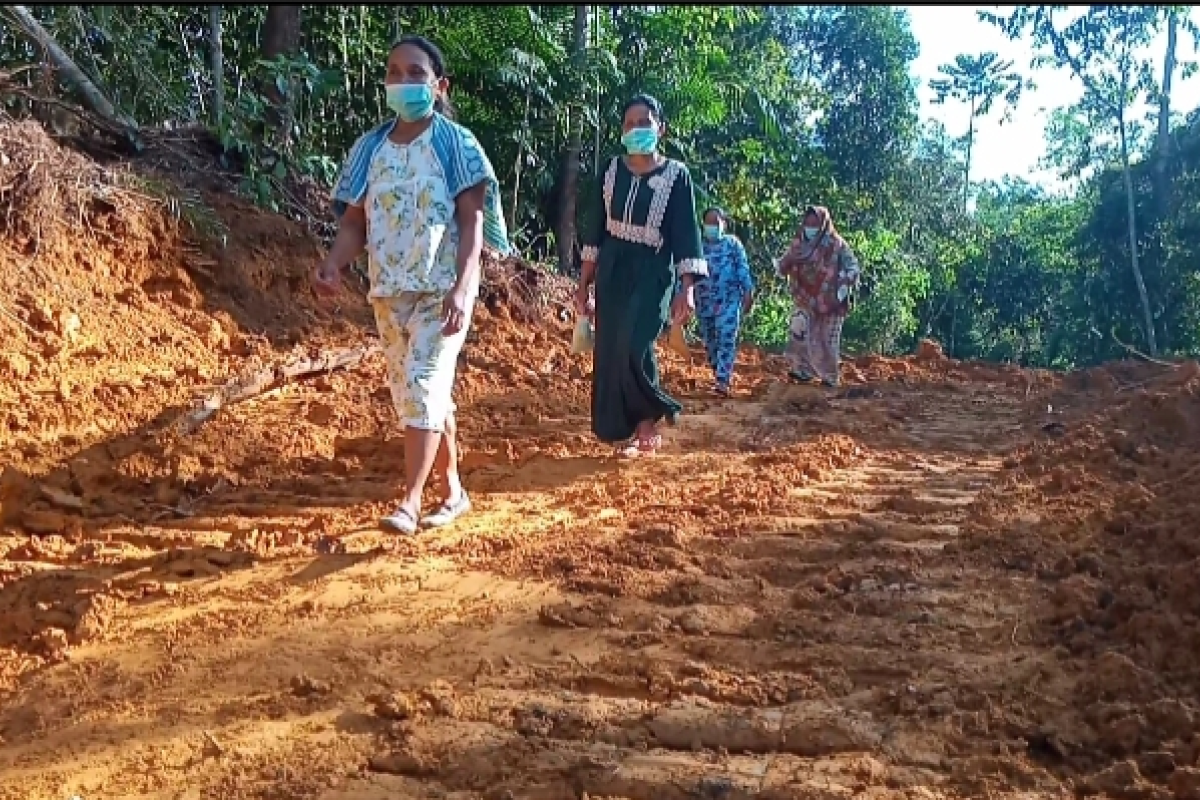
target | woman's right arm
[
  {"x": 595, "y": 230},
  {"x": 348, "y": 198},
  {"x": 789, "y": 258},
  {"x": 347, "y": 246},
  {"x": 351, "y": 237}
]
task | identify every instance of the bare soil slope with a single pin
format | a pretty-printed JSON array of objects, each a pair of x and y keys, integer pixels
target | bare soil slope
[{"x": 943, "y": 580}]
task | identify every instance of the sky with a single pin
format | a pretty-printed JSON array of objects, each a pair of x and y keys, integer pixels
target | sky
[{"x": 1015, "y": 147}]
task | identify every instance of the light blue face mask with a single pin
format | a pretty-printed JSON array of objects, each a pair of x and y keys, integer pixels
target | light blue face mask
[
  {"x": 712, "y": 232},
  {"x": 412, "y": 102},
  {"x": 811, "y": 233},
  {"x": 640, "y": 141}
]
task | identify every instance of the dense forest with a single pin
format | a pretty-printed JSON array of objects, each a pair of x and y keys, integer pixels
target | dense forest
[{"x": 771, "y": 107}]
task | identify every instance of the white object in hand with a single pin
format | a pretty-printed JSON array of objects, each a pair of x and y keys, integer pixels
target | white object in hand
[{"x": 583, "y": 339}]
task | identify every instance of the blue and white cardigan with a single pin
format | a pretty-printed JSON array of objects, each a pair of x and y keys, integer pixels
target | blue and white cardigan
[{"x": 463, "y": 163}]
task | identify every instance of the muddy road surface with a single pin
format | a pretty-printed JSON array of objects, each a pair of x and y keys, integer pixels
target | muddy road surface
[{"x": 785, "y": 604}]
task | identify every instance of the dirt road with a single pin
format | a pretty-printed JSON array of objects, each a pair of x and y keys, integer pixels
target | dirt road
[
  {"x": 946, "y": 580},
  {"x": 778, "y": 607}
]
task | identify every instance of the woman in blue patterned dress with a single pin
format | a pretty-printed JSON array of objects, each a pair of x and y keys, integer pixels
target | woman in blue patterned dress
[
  {"x": 419, "y": 194},
  {"x": 723, "y": 299}
]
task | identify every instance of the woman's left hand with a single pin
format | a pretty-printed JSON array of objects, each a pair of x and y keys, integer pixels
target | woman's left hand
[
  {"x": 454, "y": 311},
  {"x": 683, "y": 306}
]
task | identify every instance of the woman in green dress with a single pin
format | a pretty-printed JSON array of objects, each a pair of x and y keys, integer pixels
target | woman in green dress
[{"x": 644, "y": 235}]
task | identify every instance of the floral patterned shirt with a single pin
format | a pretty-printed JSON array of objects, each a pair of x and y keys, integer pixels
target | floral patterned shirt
[
  {"x": 729, "y": 278},
  {"x": 412, "y": 233}
]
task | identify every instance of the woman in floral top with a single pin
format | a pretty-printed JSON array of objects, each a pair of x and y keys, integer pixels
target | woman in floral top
[
  {"x": 419, "y": 194},
  {"x": 822, "y": 273},
  {"x": 644, "y": 232}
]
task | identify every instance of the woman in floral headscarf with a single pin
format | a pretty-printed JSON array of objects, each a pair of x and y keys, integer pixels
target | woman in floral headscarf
[{"x": 822, "y": 273}]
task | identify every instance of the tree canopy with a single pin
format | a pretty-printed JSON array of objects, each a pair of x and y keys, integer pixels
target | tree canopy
[{"x": 772, "y": 108}]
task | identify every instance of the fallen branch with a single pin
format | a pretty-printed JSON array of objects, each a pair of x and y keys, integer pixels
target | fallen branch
[
  {"x": 1130, "y": 348},
  {"x": 95, "y": 120},
  {"x": 261, "y": 381},
  {"x": 1180, "y": 373},
  {"x": 61, "y": 499},
  {"x": 75, "y": 77}
]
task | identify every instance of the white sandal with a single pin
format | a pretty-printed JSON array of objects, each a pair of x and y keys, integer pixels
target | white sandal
[
  {"x": 401, "y": 521},
  {"x": 449, "y": 512}
]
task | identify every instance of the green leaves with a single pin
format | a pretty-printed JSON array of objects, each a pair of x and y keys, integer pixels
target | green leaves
[{"x": 772, "y": 107}]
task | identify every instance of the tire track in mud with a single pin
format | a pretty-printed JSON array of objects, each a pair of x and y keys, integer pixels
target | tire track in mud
[
  {"x": 840, "y": 647},
  {"x": 776, "y": 607},
  {"x": 846, "y": 649}
]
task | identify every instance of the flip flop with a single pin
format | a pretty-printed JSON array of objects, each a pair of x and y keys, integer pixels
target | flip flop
[
  {"x": 649, "y": 446},
  {"x": 630, "y": 450},
  {"x": 449, "y": 511},
  {"x": 401, "y": 521}
]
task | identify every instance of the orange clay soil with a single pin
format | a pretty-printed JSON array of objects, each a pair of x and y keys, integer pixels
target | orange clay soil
[{"x": 943, "y": 580}]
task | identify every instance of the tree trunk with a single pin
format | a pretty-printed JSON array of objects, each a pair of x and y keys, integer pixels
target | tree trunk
[
  {"x": 281, "y": 37},
  {"x": 570, "y": 164},
  {"x": 519, "y": 164},
  {"x": 599, "y": 97},
  {"x": 1162, "y": 175},
  {"x": 1130, "y": 210},
  {"x": 217, "y": 59},
  {"x": 967, "y": 165},
  {"x": 76, "y": 79},
  {"x": 281, "y": 31}
]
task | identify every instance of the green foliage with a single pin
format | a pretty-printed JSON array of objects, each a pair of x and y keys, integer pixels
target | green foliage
[
  {"x": 769, "y": 322},
  {"x": 772, "y": 107},
  {"x": 888, "y": 322}
]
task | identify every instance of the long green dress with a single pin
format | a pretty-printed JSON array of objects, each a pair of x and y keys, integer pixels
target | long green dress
[{"x": 645, "y": 234}]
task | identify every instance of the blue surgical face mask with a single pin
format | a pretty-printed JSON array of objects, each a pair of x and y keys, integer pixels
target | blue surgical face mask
[
  {"x": 412, "y": 102},
  {"x": 811, "y": 233},
  {"x": 640, "y": 141},
  {"x": 712, "y": 231}
]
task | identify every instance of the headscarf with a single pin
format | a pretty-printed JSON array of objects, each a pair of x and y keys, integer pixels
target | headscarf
[{"x": 811, "y": 265}]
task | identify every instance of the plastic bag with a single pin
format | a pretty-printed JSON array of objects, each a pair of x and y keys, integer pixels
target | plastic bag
[{"x": 583, "y": 339}]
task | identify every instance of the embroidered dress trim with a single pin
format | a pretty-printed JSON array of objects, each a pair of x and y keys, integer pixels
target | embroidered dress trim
[{"x": 660, "y": 185}]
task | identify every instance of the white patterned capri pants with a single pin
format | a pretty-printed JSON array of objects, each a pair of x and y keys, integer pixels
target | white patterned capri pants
[{"x": 421, "y": 360}]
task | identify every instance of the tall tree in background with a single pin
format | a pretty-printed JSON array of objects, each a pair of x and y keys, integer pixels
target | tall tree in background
[
  {"x": 281, "y": 37},
  {"x": 565, "y": 233},
  {"x": 1099, "y": 47},
  {"x": 978, "y": 81},
  {"x": 871, "y": 124},
  {"x": 216, "y": 64},
  {"x": 1162, "y": 144}
]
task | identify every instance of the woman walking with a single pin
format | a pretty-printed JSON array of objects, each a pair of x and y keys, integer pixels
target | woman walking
[
  {"x": 822, "y": 273},
  {"x": 723, "y": 299},
  {"x": 644, "y": 234},
  {"x": 419, "y": 194}
]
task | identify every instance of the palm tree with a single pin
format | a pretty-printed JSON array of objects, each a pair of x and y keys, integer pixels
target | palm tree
[{"x": 978, "y": 81}]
